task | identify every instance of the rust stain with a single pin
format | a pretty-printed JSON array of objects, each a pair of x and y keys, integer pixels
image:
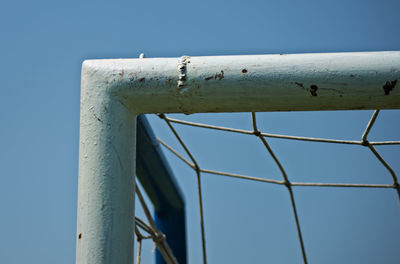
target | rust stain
[
  {"x": 389, "y": 86},
  {"x": 244, "y": 71},
  {"x": 80, "y": 236},
  {"x": 209, "y": 78},
  {"x": 313, "y": 89}
]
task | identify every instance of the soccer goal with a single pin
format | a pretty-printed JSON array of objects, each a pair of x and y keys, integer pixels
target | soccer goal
[{"x": 115, "y": 92}]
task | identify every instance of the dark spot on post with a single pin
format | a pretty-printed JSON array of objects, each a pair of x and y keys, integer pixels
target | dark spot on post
[
  {"x": 299, "y": 84},
  {"x": 209, "y": 78},
  {"x": 389, "y": 86},
  {"x": 244, "y": 71},
  {"x": 352, "y": 75},
  {"x": 313, "y": 89},
  {"x": 142, "y": 79},
  {"x": 219, "y": 76},
  {"x": 80, "y": 236}
]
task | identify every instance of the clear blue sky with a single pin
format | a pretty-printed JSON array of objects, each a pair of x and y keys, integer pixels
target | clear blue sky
[{"x": 42, "y": 46}]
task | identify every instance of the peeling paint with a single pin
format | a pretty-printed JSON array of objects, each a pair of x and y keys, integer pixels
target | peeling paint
[
  {"x": 184, "y": 60},
  {"x": 389, "y": 86},
  {"x": 313, "y": 89},
  {"x": 219, "y": 76}
]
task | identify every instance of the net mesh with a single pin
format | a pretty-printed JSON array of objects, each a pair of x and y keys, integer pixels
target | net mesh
[
  {"x": 152, "y": 232},
  {"x": 284, "y": 181}
]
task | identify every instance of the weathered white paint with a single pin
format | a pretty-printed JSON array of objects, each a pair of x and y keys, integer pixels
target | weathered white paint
[
  {"x": 106, "y": 175},
  {"x": 115, "y": 91}
]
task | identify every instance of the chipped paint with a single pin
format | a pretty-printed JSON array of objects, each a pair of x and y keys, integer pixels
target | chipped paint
[
  {"x": 313, "y": 89},
  {"x": 389, "y": 86},
  {"x": 182, "y": 69}
]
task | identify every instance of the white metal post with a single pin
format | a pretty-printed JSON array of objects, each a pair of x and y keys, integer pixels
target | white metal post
[
  {"x": 333, "y": 81},
  {"x": 106, "y": 175}
]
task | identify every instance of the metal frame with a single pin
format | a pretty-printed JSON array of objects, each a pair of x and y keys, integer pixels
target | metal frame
[
  {"x": 115, "y": 92},
  {"x": 158, "y": 181}
]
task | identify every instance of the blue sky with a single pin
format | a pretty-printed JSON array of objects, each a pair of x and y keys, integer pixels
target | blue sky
[{"x": 43, "y": 44}]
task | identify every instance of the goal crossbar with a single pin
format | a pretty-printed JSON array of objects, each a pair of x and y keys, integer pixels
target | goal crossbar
[{"x": 114, "y": 92}]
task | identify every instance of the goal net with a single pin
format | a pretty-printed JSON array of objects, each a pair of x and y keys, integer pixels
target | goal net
[{"x": 341, "y": 187}]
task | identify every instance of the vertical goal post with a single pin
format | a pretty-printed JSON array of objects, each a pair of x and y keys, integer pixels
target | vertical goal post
[{"x": 114, "y": 92}]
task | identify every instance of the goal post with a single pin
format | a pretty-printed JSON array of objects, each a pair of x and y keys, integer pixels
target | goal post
[{"x": 114, "y": 92}]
